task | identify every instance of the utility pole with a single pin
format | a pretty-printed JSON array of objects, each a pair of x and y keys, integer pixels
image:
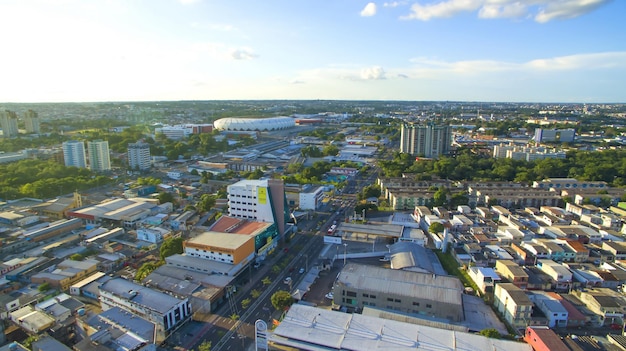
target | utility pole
[{"x": 345, "y": 253}]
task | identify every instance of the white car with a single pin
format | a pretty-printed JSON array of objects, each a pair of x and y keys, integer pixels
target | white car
[
  {"x": 329, "y": 296},
  {"x": 301, "y": 270},
  {"x": 287, "y": 280}
]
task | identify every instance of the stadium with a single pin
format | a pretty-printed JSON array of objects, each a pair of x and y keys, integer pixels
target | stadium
[{"x": 254, "y": 124}]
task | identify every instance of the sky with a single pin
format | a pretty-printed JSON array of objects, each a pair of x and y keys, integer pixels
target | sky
[{"x": 423, "y": 50}]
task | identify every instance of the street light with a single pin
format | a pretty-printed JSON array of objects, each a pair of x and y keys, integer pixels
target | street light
[{"x": 345, "y": 253}]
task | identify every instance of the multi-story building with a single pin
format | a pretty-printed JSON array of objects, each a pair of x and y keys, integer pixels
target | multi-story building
[
  {"x": 221, "y": 247},
  {"x": 311, "y": 197},
  {"x": 98, "y": 151},
  {"x": 561, "y": 276},
  {"x": 358, "y": 286},
  {"x": 74, "y": 154},
  {"x": 31, "y": 119},
  {"x": 165, "y": 311},
  {"x": 8, "y": 122},
  {"x": 429, "y": 140},
  {"x": 555, "y": 135},
  {"x": 514, "y": 305},
  {"x": 512, "y": 272},
  {"x": 259, "y": 200},
  {"x": 139, "y": 156}
]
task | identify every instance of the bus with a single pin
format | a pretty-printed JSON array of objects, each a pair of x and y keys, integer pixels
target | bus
[{"x": 331, "y": 229}]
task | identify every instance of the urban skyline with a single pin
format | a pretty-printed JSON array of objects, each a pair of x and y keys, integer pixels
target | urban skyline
[{"x": 460, "y": 50}]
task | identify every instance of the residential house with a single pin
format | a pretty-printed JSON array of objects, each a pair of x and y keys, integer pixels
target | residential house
[
  {"x": 513, "y": 304},
  {"x": 512, "y": 272}
]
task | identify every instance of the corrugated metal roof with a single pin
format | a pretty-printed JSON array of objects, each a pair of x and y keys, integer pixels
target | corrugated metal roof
[{"x": 446, "y": 289}]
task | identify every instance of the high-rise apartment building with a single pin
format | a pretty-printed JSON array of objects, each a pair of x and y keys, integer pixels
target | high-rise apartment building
[
  {"x": 428, "y": 140},
  {"x": 98, "y": 154},
  {"x": 139, "y": 156},
  {"x": 8, "y": 122},
  {"x": 31, "y": 119},
  {"x": 74, "y": 154}
]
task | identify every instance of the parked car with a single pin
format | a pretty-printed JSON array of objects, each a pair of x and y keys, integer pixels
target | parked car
[
  {"x": 287, "y": 280},
  {"x": 301, "y": 270},
  {"x": 329, "y": 296}
]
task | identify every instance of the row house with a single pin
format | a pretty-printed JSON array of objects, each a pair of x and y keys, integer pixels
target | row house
[
  {"x": 609, "y": 305},
  {"x": 485, "y": 278},
  {"x": 580, "y": 251},
  {"x": 512, "y": 272},
  {"x": 575, "y": 318},
  {"x": 537, "y": 250},
  {"x": 554, "y": 311},
  {"x": 521, "y": 198},
  {"x": 524, "y": 257},
  {"x": 558, "y": 212},
  {"x": 513, "y": 304},
  {"x": 618, "y": 249},
  {"x": 560, "y": 275}
]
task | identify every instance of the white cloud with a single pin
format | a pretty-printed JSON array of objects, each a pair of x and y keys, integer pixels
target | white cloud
[
  {"x": 514, "y": 10},
  {"x": 369, "y": 10},
  {"x": 564, "y": 9},
  {"x": 243, "y": 54},
  {"x": 297, "y": 81},
  {"x": 373, "y": 73},
  {"x": 541, "y": 10},
  {"x": 189, "y": 2},
  {"x": 426, "y": 66},
  {"x": 221, "y": 27},
  {"x": 394, "y": 4}
]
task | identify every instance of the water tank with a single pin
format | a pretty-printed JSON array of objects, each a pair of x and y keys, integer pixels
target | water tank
[
  {"x": 81, "y": 311},
  {"x": 13, "y": 346}
]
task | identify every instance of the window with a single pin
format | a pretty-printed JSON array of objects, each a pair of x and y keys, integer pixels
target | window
[
  {"x": 372, "y": 296},
  {"x": 366, "y": 295},
  {"x": 351, "y": 293},
  {"x": 416, "y": 303},
  {"x": 397, "y": 300},
  {"x": 429, "y": 305},
  {"x": 389, "y": 299}
]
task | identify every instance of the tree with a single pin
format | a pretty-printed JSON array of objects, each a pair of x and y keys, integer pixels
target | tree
[
  {"x": 44, "y": 287},
  {"x": 245, "y": 303},
  {"x": 165, "y": 197},
  {"x": 266, "y": 281},
  {"x": 171, "y": 246},
  {"x": 490, "y": 333},
  {"x": 281, "y": 300},
  {"x": 205, "y": 346},
  {"x": 146, "y": 269},
  {"x": 255, "y": 294},
  {"x": 436, "y": 227},
  {"x": 77, "y": 257}
]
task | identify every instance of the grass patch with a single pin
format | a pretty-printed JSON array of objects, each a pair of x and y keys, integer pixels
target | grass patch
[{"x": 452, "y": 267}]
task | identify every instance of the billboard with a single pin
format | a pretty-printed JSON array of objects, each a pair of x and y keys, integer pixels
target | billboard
[
  {"x": 262, "y": 195},
  {"x": 332, "y": 239}
]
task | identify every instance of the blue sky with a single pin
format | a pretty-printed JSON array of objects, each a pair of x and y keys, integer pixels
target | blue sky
[{"x": 468, "y": 50}]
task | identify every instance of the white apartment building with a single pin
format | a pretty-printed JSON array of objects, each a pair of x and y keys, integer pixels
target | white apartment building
[
  {"x": 139, "y": 156},
  {"x": 74, "y": 154},
  {"x": 98, "y": 154},
  {"x": 311, "y": 198}
]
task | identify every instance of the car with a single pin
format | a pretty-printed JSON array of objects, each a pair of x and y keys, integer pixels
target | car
[
  {"x": 257, "y": 265},
  {"x": 291, "y": 270},
  {"x": 287, "y": 280},
  {"x": 286, "y": 250},
  {"x": 329, "y": 296},
  {"x": 384, "y": 259},
  {"x": 301, "y": 270}
]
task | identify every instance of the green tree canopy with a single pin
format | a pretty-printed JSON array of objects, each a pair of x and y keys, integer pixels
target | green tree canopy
[
  {"x": 490, "y": 333},
  {"x": 281, "y": 300},
  {"x": 171, "y": 246},
  {"x": 436, "y": 227}
]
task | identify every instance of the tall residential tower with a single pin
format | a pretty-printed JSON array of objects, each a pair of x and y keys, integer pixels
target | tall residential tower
[
  {"x": 31, "y": 119},
  {"x": 428, "y": 140},
  {"x": 8, "y": 122},
  {"x": 74, "y": 154},
  {"x": 99, "y": 159},
  {"x": 139, "y": 156}
]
